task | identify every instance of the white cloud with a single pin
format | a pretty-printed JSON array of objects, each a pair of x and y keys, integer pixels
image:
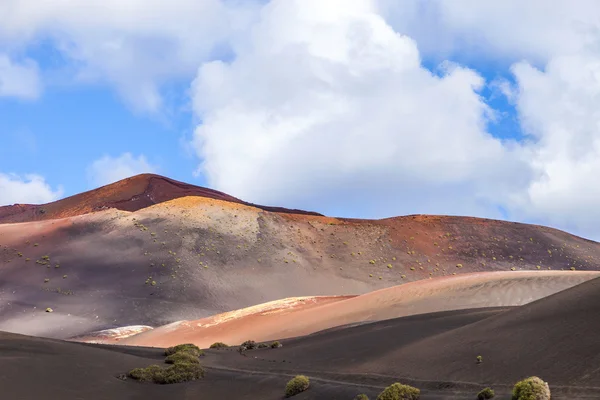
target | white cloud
[
  {"x": 26, "y": 189},
  {"x": 510, "y": 29},
  {"x": 326, "y": 103},
  {"x": 109, "y": 169},
  {"x": 560, "y": 110},
  {"x": 135, "y": 45},
  {"x": 19, "y": 79},
  {"x": 330, "y": 106}
]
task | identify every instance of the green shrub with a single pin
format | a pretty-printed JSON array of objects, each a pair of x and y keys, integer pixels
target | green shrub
[
  {"x": 180, "y": 372},
  {"x": 398, "y": 391},
  {"x": 144, "y": 374},
  {"x": 187, "y": 347},
  {"x": 176, "y": 373},
  {"x": 361, "y": 397},
  {"x": 218, "y": 345},
  {"x": 249, "y": 344},
  {"x": 276, "y": 345},
  {"x": 479, "y": 359},
  {"x": 532, "y": 388},
  {"x": 296, "y": 385},
  {"x": 485, "y": 394},
  {"x": 182, "y": 356},
  {"x": 262, "y": 345}
]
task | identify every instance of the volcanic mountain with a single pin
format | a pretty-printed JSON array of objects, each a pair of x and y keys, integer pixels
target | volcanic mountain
[
  {"x": 162, "y": 252},
  {"x": 129, "y": 194},
  {"x": 358, "y": 304}
]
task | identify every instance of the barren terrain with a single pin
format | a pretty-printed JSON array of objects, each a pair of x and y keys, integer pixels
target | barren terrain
[
  {"x": 358, "y": 304},
  {"x": 303, "y": 316}
]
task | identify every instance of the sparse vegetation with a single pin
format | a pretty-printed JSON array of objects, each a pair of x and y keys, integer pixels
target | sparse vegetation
[
  {"x": 398, "y": 391},
  {"x": 182, "y": 356},
  {"x": 187, "y": 348},
  {"x": 176, "y": 373},
  {"x": 296, "y": 385},
  {"x": 362, "y": 396},
  {"x": 276, "y": 345},
  {"x": 249, "y": 345},
  {"x": 485, "y": 394},
  {"x": 479, "y": 359},
  {"x": 145, "y": 374},
  {"x": 185, "y": 366},
  {"x": 218, "y": 345},
  {"x": 532, "y": 388}
]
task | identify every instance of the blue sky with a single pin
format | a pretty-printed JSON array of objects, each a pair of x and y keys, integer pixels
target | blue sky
[
  {"x": 62, "y": 132},
  {"x": 360, "y": 108}
]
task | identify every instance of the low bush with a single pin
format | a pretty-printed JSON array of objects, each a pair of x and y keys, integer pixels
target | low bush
[
  {"x": 185, "y": 366},
  {"x": 262, "y": 345},
  {"x": 398, "y": 391},
  {"x": 144, "y": 374},
  {"x": 179, "y": 372},
  {"x": 485, "y": 394},
  {"x": 532, "y": 388},
  {"x": 361, "y": 397},
  {"x": 182, "y": 356},
  {"x": 296, "y": 385},
  {"x": 218, "y": 345},
  {"x": 276, "y": 345},
  {"x": 176, "y": 373},
  {"x": 187, "y": 348},
  {"x": 249, "y": 344}
]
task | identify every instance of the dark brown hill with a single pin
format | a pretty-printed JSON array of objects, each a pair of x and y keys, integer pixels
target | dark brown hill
[{"x": 129, "y": 194}]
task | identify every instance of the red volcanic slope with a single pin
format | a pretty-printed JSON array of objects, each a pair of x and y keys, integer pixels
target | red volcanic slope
[{"x": 129, "y": 194}]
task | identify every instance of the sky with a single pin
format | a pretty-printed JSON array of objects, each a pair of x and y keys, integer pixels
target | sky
[{"x": 353, "y": 108}]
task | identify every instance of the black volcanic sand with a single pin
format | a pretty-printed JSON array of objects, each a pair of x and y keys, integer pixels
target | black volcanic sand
[
  {"x": 34, "y": 368},
  {"x": 553, "y": 338}
]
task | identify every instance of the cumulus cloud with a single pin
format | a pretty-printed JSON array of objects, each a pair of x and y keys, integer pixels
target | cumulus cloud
[
  {"x": 109, "y": 169},
  {"x": 560, "y": 110},
  {"x": 26, "y": 189},
  {"x": 135, "y": 46},
  {"x": 509, "y": 29},
  {"x": 329, "y": 105},
  {"x": 326, "y": 105},
  {"x": 330, "y": 108},
  {"x": 19, "y": 80}
]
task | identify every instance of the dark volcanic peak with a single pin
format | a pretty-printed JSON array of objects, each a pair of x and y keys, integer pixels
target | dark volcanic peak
[{"x": 129, "y": 194}]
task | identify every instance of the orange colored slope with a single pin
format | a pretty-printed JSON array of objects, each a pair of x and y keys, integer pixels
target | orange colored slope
[{"x": 296, "y": 317}]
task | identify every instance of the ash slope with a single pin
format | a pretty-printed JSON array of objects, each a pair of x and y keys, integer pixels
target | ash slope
[
  {"x": 194, "y": 257},
  {"x": 129, "y": 194},
  {"x": 34, "y": 367},
  {"x": 554, "y": 338},
  {"x": 298, "y": 317}
]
